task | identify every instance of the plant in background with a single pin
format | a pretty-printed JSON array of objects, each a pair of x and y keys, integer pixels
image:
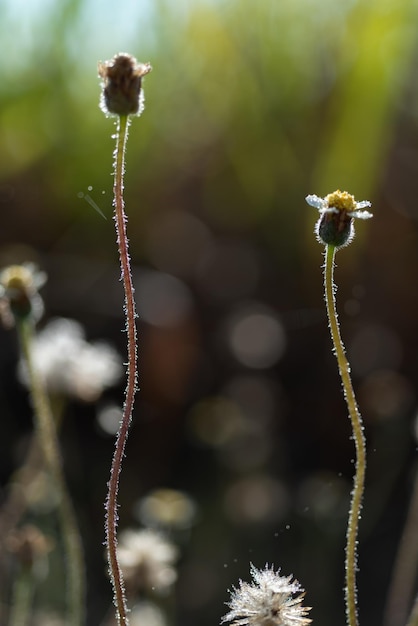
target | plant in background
[
  {"x": 21, "y": 305},
  {"x": 71, "y": 366},
  {"x": 122, "y": 96},
  {"x": 147, "y": 559},
  {"x": 335, "y": 229},
  {"x": 29, "y": 546}
]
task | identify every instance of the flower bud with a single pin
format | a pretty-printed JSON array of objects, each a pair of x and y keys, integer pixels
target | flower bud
[{"x": 122, "y": 85}]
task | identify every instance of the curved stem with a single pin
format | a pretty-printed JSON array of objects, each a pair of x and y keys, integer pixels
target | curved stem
[
  {"x": 360, "y": 443},
  {"x": 46, "y": 431},
  {"x": 131, "y": 386}
]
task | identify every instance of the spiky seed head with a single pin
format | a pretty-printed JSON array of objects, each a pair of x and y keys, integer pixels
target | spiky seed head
[{"x": 270, "y": 600}]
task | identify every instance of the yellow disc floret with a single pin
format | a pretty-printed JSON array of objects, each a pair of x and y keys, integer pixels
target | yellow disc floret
[{"x": 341, "y": 200}]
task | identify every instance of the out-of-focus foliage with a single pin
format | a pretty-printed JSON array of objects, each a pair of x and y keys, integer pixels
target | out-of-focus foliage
[
  {"x": 250, "y": 106},
  {"x": 257, "y": 101}
]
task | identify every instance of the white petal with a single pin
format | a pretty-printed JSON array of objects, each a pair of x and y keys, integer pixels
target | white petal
[
  {"x": 363, "y": 204},
  {"x": 361, "y": 215},
  {"x": 316, "y": 202}
]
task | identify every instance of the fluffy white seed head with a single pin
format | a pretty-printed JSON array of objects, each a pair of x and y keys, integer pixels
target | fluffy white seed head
[{"x": 270, "y": 600}]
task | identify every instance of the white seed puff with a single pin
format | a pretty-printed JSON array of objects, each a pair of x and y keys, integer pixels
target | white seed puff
[{"x": 270, "y": 600}]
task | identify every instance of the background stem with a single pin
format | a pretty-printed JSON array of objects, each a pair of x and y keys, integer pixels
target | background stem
[
  {"x": 22, "y": 596},
  {"x": 48, "y": 440}
]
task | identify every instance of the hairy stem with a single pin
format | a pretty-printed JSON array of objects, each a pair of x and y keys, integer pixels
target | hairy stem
[
  {"x": 111, "y": 502},
  {"x": 48, "y": 440},
  {"x": 359, "y": 440}
]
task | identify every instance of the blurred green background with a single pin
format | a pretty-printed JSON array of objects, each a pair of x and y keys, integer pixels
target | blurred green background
[{"x": 250, "y": 107}]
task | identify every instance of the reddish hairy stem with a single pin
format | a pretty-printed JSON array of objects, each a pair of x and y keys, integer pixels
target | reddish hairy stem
[{"x": 132, "y": 374}]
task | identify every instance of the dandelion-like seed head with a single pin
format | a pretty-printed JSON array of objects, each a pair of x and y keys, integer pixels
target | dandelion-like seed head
[
  {"x": 335, "y": 225},
  {"x": 122, "y": 85},
  {"x": 270, "y": 600}
]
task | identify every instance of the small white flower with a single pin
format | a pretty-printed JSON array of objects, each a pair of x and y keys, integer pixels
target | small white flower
[
  {"x": 339, "y": 201},
  {"x": 68, "y": 364},
  {"x": 146, "y": 559},
  {"x": 337, "y": 210},
  {"x": 271, "y": 600}
]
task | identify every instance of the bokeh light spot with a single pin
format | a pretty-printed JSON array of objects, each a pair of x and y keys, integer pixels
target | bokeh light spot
[
  {"x": 175, "y": 241},
  {"x": 227, "y": 271},
  {"x": 256, "y": 499},
  {"x": 256, "y": 337},
  {"x": 165, "y": 300},
  {"x": 374, "y": 347}
]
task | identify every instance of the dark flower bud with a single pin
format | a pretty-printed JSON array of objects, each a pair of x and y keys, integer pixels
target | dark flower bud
[
  {"x": 335, "y": 229},
  {"x": 122, "y": 85}
]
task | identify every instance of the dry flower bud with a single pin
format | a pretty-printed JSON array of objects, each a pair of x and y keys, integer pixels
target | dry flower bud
[{"x": 122, "y": 85}]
